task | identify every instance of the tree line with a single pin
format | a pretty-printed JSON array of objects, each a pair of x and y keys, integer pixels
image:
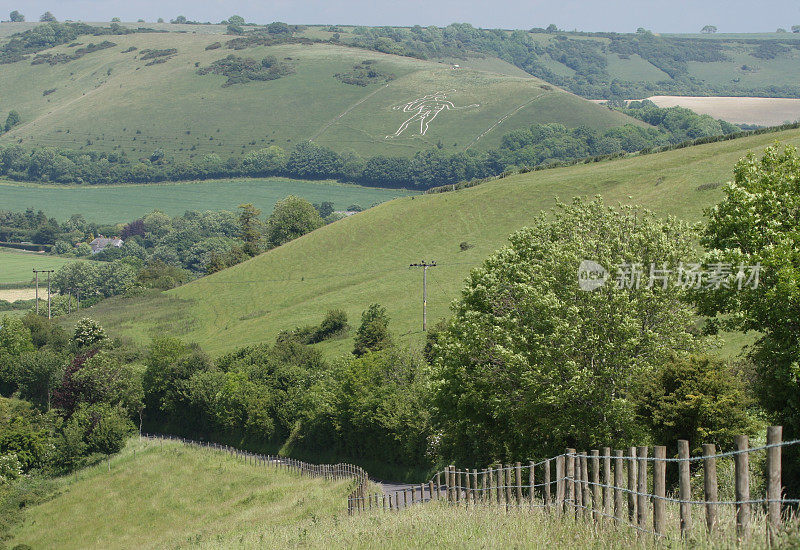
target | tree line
[{"x": 538, "y": 145}]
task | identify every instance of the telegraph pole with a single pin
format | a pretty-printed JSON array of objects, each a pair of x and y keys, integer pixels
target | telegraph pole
[
  {"x": 36, "y": 272},
  {"x": 37, "y": 291},
  {"x": 424, "y": 265}
]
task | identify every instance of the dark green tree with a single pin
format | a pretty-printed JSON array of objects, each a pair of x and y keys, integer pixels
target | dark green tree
[
  {"x": 373, "y": 333},
  {"x": 251, "y": 229},
  {"x": 16, "y": 17},
  {"x": 12, "y": 120},
  {"x": 48, "y": 17}
]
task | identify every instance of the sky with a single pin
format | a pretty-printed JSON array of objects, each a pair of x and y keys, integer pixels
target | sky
[{"x": 609, "y": 15}]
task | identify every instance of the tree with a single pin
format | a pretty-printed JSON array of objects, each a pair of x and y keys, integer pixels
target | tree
[
  {"x": 709, "y": 29},
  {"x": 373, "y": 333},
  {"x": 291, "y": 218},
  {"x": 795, "y": 28},
  {"x": 88, "y": 333},
  {"x": 534, "y": 361},
  {"x": 324, "y": 208},
  {"x": 38, "y": 374},
  {"x": 236, "y": 20},
  {"x": 696, "y": 398},
  {"x": 251, "y": 229},
  {"x": 16, "y": 17},
  {"x": 755, "y": 224},
  {"x": 48, "y": 17},
  {"x": 116, "y": 20},
  {"x": 179, "y": 20},
  {"x": 12, "y": 120},
  {"x": 15, "y": 338}
]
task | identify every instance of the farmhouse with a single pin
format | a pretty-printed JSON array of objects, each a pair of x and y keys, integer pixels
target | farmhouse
[{"x": 101, "y": 243}]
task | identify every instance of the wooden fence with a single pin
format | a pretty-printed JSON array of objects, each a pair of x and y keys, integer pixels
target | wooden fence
[{"x": 614, "y": 486}]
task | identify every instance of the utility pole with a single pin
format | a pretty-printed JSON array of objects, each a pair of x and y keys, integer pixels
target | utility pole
[
  {"x": 36, "y": 272},
  {"x": 424, "y": 265},
  {"x": 37, "y": 291}
]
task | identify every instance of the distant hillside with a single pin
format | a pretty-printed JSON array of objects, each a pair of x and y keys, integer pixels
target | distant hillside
[
  {"x": 139, "y": 93},
  {"x": 365, "y": 258}
]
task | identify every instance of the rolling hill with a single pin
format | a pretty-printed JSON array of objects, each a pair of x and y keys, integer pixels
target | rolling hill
[
  {"x": 145, "y": 93},
  {"x": 365, "y": 258}
]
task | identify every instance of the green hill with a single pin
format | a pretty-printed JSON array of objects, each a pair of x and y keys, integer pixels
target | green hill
[
  {"x": 139, "y": 95},
  {"x": 365, "y": 258},
  {"x": 170, "y": 496}
]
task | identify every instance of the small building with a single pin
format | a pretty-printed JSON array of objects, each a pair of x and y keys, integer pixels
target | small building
[{"x": 101, "y": 243}]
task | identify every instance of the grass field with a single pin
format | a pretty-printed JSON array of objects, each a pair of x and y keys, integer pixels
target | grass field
[
  {"x": 169, "y": 496},
  {"x": 16, "y": 266},
  {"x": 113, "y": 204},
  {"x": 365, "y": 258},
  {"x": 109, "y": 100}
]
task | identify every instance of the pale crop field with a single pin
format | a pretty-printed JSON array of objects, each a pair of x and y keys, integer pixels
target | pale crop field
[{"x": 764, "y": 111}]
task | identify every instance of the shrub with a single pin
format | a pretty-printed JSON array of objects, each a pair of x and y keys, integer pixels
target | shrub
[
  {"x": 373, "y": 333},
  {"x": 88, "y": 333}
]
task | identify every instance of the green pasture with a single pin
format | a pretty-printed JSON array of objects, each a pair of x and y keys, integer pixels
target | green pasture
[
  {"x": 365, "y": 258},
  {"x": 16, "y": 266},
  {"x": 114, "y": 204}
]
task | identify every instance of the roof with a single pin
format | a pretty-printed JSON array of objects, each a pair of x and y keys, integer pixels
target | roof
[{"x": 100, "y": 243}]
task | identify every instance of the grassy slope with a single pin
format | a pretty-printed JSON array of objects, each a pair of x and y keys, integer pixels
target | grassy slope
[
  {"x": 115, "y": 102},
  {"x": 113, "y": 204},
  {"x": 172, "y": 496},
  {"x": 365, "y": 258},
  {"x": 16, "y": 265}
]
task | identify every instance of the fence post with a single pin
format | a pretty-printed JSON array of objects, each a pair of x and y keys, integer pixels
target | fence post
[
  {"x": 430, "y": 489},
  {"x": 475, "y": 486},
  {"x": 546, "y": 490},
  {"x": 438, "y": 486},
  {"x": 509, "y": 483},
  {"x": 685, "y": 487},
  {"x": 659, "y": 488},
  {"x": 618, "y": 481},
  {"x": 500, "y": 481},
  {"x": 519, "y": 483},
  {"x": 710, "y": 485},
  {"x": 559, "y": 484},
  {"x": 483, "y": 486},
  {"x": 459, "y": 485},
  {"x": 532, "y": 481},
  {"x": 774, "y": 489},
  {"x": 570, "y": 477},
  {"x": 451, "y": 481},
  {"x": 641, "y": 509},
  {"x": 742, "y": 463},
  {"x": 467, "y": 489},
  {"x": 633, "y": 501},
  {"x": 587, "y": 490},
  {"x": 579, "y": 465},
  {"x": 607, "y": 480},
  {"x": 596, "y": 494}
]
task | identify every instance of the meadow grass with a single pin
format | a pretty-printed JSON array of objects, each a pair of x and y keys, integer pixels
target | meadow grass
[
  {"x": 112, "y": 101},
  {"x": 158, "y": 494},
  {"x": 16, "y": 266},
  {"x": 365, "y": 258},
  {"x": 123, "y": 203}
]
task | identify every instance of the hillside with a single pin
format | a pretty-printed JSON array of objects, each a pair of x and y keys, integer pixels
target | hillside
[
  {"x": 139, "y": 95},
  {"x": 171, "y": 496},
  {"x": 365, "y": 258}
]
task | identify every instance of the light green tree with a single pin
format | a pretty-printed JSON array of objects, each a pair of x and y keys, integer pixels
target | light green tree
[
  {"x": 88, "y": 333},
  {"x": 373, "y": 333},
  {"x": 532, "y": 363},
  {"x": 756, "y": 224},
  {"x": 291, "y": 218}
]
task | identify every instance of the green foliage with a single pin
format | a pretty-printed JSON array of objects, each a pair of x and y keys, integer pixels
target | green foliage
[
  {"x": 364, "y": 74},
  {"x": 240, "y": 70},
  {"x": 699, "y": 399},
  {"x": 88, "y": 333},
  {"x": 95, "y": 278},
  {"x": 38, "y": 373},
  {"x": 12, "y": 120},
  {"x": 756, "y": 224},
  {"x": 530, "y": 363},
  {"x": 47, "y": 17},
  {"x": 162, "y": 276},
  {"x": 61, "y": 58},
  {"x": 373, "y": 333},
  {"x": 15, "y": 338},
  {"x": 333, "y": 325},
  {"x": 291, "y": 218},
  {"x": 16, "y": 17},
  {"x": 105, "y": 428},
  {"x": 251, "y": 229}
]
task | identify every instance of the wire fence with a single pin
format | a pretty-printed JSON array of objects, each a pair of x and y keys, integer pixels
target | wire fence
[{"x": 629, "y": 488}]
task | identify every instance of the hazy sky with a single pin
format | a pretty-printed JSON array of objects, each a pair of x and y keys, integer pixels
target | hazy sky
[{"x": 607, "y": 15}]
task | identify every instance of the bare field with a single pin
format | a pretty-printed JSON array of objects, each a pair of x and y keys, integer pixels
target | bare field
[
  {"x": 764, "y": 111},
  {"x": 14, "y": 294}
]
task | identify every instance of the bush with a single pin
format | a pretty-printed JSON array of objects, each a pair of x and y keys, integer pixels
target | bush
[
  {"x": 373, "y": 333},
  {"x": 88, "y": 333}
]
